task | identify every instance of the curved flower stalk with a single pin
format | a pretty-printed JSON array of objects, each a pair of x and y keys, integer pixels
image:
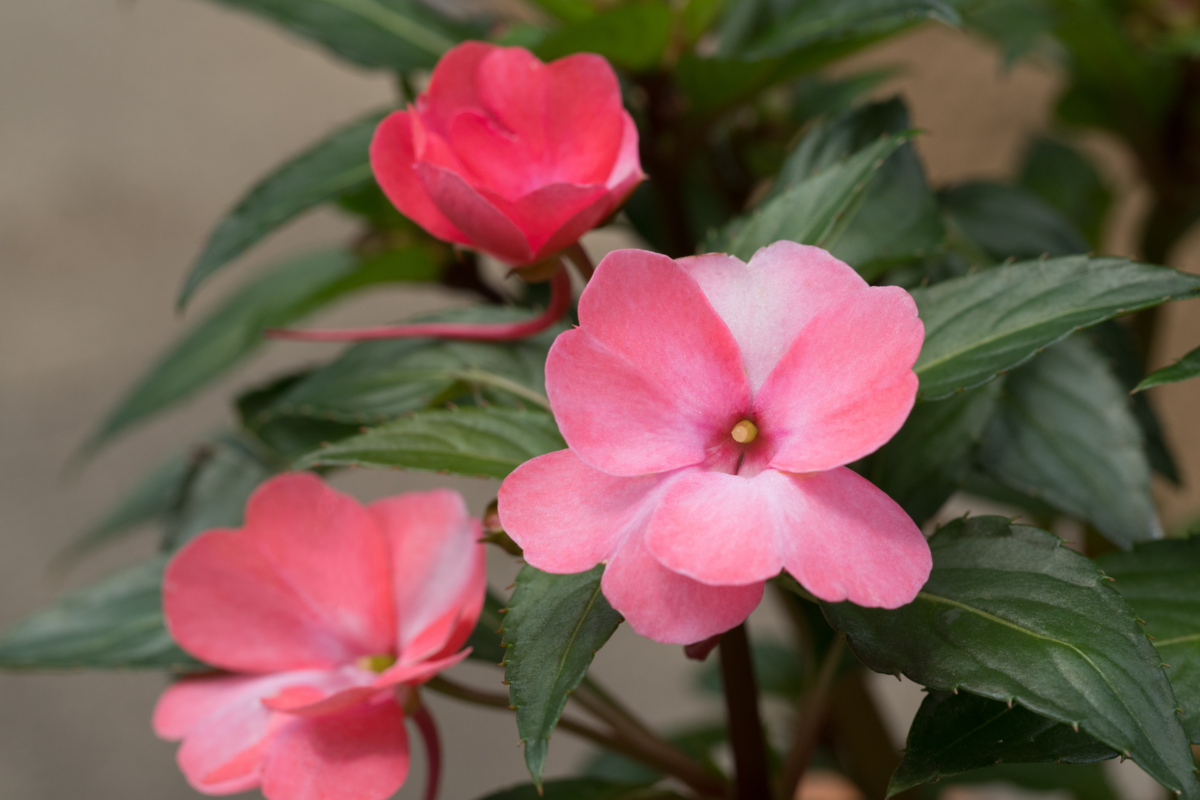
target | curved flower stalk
[
  {"x": 330, "y": 615},
  {"x": 509, "y": 156},
  {"x": 710, "y": 407}
]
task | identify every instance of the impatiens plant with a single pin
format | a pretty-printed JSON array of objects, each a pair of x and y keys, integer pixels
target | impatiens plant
[{"x": 802, "y": 355}]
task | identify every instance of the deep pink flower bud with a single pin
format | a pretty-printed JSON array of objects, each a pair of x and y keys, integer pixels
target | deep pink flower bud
[
  {"x": 328, "y": 614},
  {"x": 508, "y": 155}
]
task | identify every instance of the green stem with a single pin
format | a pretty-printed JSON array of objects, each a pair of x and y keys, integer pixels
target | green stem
[
  {"x": 745, "y": 724},
  {"x": 810, "y": 715}
]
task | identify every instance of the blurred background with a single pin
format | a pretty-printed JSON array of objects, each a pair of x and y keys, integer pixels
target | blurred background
[{"x": 127, "y": 127}]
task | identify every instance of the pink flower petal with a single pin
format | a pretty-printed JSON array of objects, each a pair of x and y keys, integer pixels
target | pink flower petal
[
  {"x": 767, "y": 302},
  {"x": 359, "y": 754},
  {"x": 856, "y": 543},
  {"x": 328, "y": 693},
  {"x": 846, "y": 385},
  {"x": 567, "y": 516},
  {"x": 584, "y": 118},
  {"x": 452, "y": 85},
  {"x": 416, "y": 674},
  {"x": 494, "y": 159},
  {"x": 512, "y": 85},
  {"x": 652, "y": 377},
  {"x": 393, "y": 160},
  {"x": 627, "y": 170},
  {"x": 439, "y": 575},
  {"x": 303, "y": 584},
  {"x": 668, "y": 607},
  {"x": 556, "y": 215},
  {"x": 483, "y": 225}
]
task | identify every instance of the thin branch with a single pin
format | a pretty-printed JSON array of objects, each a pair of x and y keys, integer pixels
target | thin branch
[
  {"x": 810, "y": 713},
  {"x": 745, "y": 724}
]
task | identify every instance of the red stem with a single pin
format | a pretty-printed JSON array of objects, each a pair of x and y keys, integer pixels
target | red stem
[
  {"x": 433, "y": 750},
  {"x": 560, "y": 300}
]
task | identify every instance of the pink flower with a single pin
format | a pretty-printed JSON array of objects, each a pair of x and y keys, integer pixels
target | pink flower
[
  {"x": 710, "y": 406},
  {"x": 330, "y": 613},
  {"x": 509, "y": 155}
]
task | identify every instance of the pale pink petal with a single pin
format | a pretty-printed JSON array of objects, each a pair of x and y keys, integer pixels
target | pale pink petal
[
  {"x": 326, "y": 693},
  {"x": 652, "y": 378},
  {"x": 304, "y": 584},
  {"x": 511, "y": 83},
  {"x": 585, "y": 119},
  {"x": 567, "y": 516},
  {"x": 846, "y": 385},
  {"x": 483, "y": 225},
  {"x": 668, "y": 607},
  {"x": 555, "y": 216},
  {"x": 452, "y": 87},
  {"x": 416, "y": 674},
  {"x": 856, "y": 544},
  {"x": 358, "y": 754},
  {"x": 438, "y": 569},
  {"x": 627, "y": 170},
  {"x": 765, "y": 303},
  {"x": 393, "y": 160}
]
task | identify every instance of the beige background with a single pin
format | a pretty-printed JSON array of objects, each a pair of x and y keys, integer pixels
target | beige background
[{"x": 126, "y": 129}]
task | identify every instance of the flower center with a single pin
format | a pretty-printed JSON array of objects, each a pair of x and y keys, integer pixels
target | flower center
[
  {"x": 744, "y": 432},
  {"x": 377, "y": 663}
]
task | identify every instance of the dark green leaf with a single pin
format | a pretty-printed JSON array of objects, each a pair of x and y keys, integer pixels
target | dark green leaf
[
  {"x": 287, "y": 437},
  {"x": 956, "y": 733},
  {"x": 1064, "y": 432},
  {"x": 553, "y": 628},
  {"x": 929, "y": 458},
  {"x": 224, "y": 474},
  {"x": 116, "y": 623},
  {"x": 1017, "y": 26},
  {"x": 1182, "y": 370},
  {"x": 485, "y": 639},
  {"x": 1011, "y": 614},
  {"x": 479, "y": 442},
  {"x": 824, "y": 20},
  {"x": 1161, "y": 580},
  {"x": 395, "y": 34},
  {"x": 632, "y": 36},
  {"x": 329, "y": 168},
  {"x": 1064, "y": 178},
  {"x": 816, "y": 210},
  {"x": 567, "y": 10},
  {"x": 1083, "y": 781},
  {"x": 582, "y": 789},
  {"x": 979, "y": 326},
  {"x": 235, "y": 328},
  {"x": 1007, "y": 222},
  {"x": 778, "y": 671}
]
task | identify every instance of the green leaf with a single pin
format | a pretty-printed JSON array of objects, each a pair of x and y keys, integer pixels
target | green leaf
[
  {"x": 1065, "y": 179},
  {"x": 1008, "y": 222},
  {"x": 1083, "y": 781},
  {"x": 929, "y": 458},
  {"x": 553, "y": 628},
  {"x": 979, "y": 326},
  {"x": 393, "y": 34},
  {"x": 379, "y": 381},
  {"x": 116, "y": 623},
  {"x": 1064, "y": 433},
  {"x": 1011, "y": 614},
  {"x": 478, "y": 442},
  {"x": 582, "y": 789},
  {"x": 1183, "y": 369},
  {"x": 1161, "y": 580},
  {"x": 778, "y": 671},
  {"x": 235, "y": 329},
  {"x": 567, "y": 10},
  {"x": 485, "y": 639},
  {"x": 956, "y": 733},
  {"x": 225, "y": 473},
  {"x": 825, "y": 20},
  {"x": 1017, "y": 26},
  {"x": 632, "y": 36},
  {"x": 814, "y": 211},
  {"x": 337, "y": 164}
]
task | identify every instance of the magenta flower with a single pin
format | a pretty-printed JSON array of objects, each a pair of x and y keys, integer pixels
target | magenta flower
[
  {"x": 509, "y": 155},
  {"x": 330, "y": 613},
  {"x": 710, "y": 407}
]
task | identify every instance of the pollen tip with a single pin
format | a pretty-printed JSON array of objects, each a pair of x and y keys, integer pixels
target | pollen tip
[{"x": 744, "y": 432}]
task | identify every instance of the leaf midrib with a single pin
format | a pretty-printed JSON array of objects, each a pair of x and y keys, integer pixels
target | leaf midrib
[
  {"x": 562, "y": 661},
  {"x": 418, "y": 35}
]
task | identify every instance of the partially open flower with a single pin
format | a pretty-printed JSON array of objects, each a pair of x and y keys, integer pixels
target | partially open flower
[
  {"x": 710, "y": 407},
  {"x": 329, "y": 614},
  {"x": 508, "y": 155}
]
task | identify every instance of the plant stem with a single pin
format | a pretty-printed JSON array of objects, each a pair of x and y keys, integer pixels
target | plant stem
[
  {"x": 666, "y": 759},
  {"x": 810, "y": 714},
  {"x": 745, "y": 725}
]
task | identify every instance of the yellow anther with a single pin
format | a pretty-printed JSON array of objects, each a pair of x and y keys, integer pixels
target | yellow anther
[
  {"x": 376, "y": 663},
  {"x": 744, "y": 432}
]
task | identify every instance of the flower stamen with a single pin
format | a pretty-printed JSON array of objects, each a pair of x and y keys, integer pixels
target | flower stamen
[
  {"x": 744, "y": 432},
  {"x": 378, "y": 663}
]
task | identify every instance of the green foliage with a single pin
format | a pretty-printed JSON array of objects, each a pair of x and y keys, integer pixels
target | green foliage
[
  {"x": 632, "y": 36},
  {"x": 1007, "y": 222},
  {"x": 235, "y": 329},
  {"x": 777, "y": 671},
  {"x": 1083, "y": 781},
  {"x": 485, "y": 639},
  {"x": 1017, "y": 26},
  {"x": 979, "y": 326},
  {"x": 553, "y": 628},
  {"x": 335, "y": 165},
  {"x": 582, "y": 789},
  {"x": 1065, "y": 433},
  {"x": 225, "y": 472},
  {"x": 956, "y": 733},
  {"x": 1010, "y": 614},
  {"x": 1161, "y": 580},
  {"x": 116, "y": 623},
  {"x": 478, "y": 442},
  {"x": 1183, "y": 369},
  {"x": 1064, "y": 178}
]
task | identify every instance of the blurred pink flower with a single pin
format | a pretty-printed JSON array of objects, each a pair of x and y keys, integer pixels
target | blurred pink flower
[
  {"x": 710, "y": 406},
  {"x": 509, "y": 155},
  {"x": 329, "y": 612}
]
